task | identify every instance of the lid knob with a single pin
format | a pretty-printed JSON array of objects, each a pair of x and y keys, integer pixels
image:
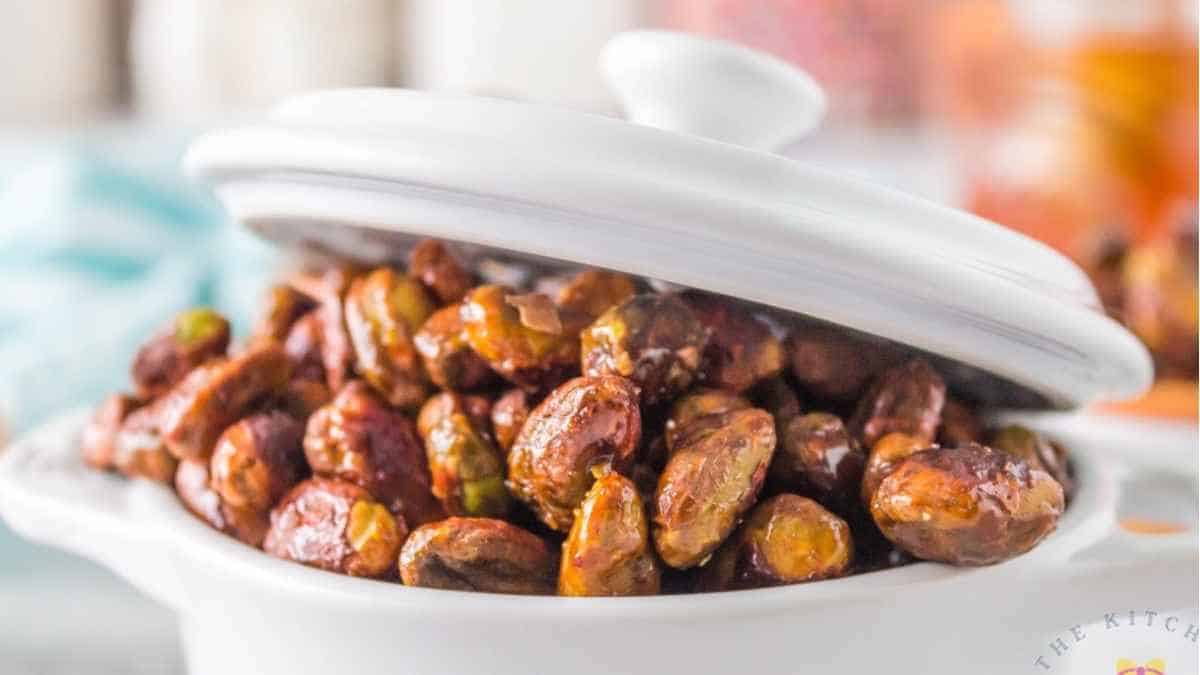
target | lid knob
[{"x": 711, "y": 88}]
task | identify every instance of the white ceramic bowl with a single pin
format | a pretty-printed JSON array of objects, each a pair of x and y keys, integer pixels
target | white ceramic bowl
[{"x": 241, "y": 611}]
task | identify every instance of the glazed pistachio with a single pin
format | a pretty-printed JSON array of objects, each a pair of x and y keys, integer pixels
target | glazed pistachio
[
  {"x": 139, "y": 450},
  {"x": 585, "y": 422},
  {"x": 440, "y": 406},
  {"x": 968, "y": 505},
  {"x": 788, "y": 539},
  {"x": 696, "y": 404},
  {"x": 1037, "y": 450},
  {"x": 883, "y": 458},
  {"x": 449, "y": 360},
  {"x": 193, "y": 485},
  {"x": 741, "y": 350},
  {"x": 525, "y": 355},
  {"x": 467, "y": 470},
  {"x": 654, "y": 340},
  {"x": 257, "y": 459},
  {"x": 431, "y": 263},
  {"x": 282, "y": 307},
  {"x": 98, "y": 441},
  {"x": 190, "y": 339},
  {"x": 509, "y": 413},
  {"x": 709, "y": 482},
  {"x": 833, "y": 365},
  {"x": 383, "y": 311},
  {"x": 588, "y": 294},
  {"x": 477, "y": 554},
  {"x": 608, "y": 550},
  {"x": 818, "y": 457},
  {"x": 906, "y": 398}
]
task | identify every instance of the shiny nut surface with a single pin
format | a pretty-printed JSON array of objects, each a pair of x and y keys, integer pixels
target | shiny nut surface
[
  {"x": 359, "y": 439},
  {"x": 467, "y": 470},
  {"x": 883, "y": 458},
  {"x": 968, "y": 505},
  {"x": 478, "y": 554},
  {"x": 190, "y": 339},
  {"x": 524, "y": 355},
  {"x": 654, "y": 340},
  {"x": 586, "y": 422},
  {"x": 1037, "y": 450},
  {"x": 336, "y": 526},
  {"x": 215, "y": 395},
  {"x": 193, "y": 485},
  {"x": 282, "y": 306},
  {"x": 383, "y": 311},
  {"x": 741, "y": 350},
  {"x": 588, "y": 294},
  {"x": 440, "y": 406},
  {"x": 710, "y": 480},
  {"x": 907, "y": 398},
  {"x": 608, "y": 550},
  {"x": 509, "y": 413},
  {"x": 449, "y": 360},
  {"x": 788, "y": 539},
  {"x": 818, "y": 457},
  {"x": 257, "y": 459},
  {"x": 431, "y": 263},
  {"x": 830, "y": 364},
  {"x": 139, "y": 450},
  {"x": 696, "y": 404}
]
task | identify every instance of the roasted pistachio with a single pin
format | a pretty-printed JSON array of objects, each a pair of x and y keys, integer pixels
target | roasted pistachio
[
  {"x": 777, "y": 397},
  {"x": 584, "y": 423},
  {"x": 138, "y": 448},
  {"x": 467, "y": 470},
  {"x": 282, "y": 307},
  {"x": 906, "y": 398},
  {"x": 357, "y": 438},
  {"x": 440, "y": 406},
  {"x": 1037, "y": 450},
  {"x": 960, "y": 424},
  {"x": 217, "y": 394},
  {"x": 696, "y": 404},
  {"x": 257, "y": 459},
  {"x": 336, "y": 526},
  {"x": 818, "y": 457},
  {"x": 968, "y": 505},
  {"x": 588, "y": 294},
  {"x": 787, "y": 539},
  {"x": 528, "y": 357},
  {"x": 383, "y": 311},
  {"x": 190, "y": 339},
  {"x": 883, "y": 458},
  {"x": 741, "y": 349},
  {"x": 449, "y": 360},
  {"x": 608, "y": 550},
  {"x": 709, "y": 482},
  {"x": 98, "y": 442},
  {"x": 302, "y": 344},
  {"x": 193, "y": 485},
  {"x": 431, "y": 263},
  {"x": 832, "y": 365},
  {"x": 477, "y": 554},
  {"x": 328, "y": 288},
  {"x": 654, "y": 340},
  {"x": 509, "y": 413}
]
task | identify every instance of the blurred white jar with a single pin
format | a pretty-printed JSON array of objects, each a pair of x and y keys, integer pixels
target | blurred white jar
[
  {"x": 195, "y": 59},
  {"x": 58, "y": 60},
  {"x": 541, "y": 50}
]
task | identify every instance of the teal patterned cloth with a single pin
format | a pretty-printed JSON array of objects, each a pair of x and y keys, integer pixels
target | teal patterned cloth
[{"x": 99, "y": 244}]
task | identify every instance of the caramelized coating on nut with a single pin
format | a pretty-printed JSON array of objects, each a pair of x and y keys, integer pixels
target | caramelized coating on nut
[
  {"x": 509, "y": 413},
  {"x": 960, "y": 424},
  {"x": 282, "y": 307},
  {"x": 383, "y": 311},
  {"x": 787, "y": 539},
  {"x": 449, "y": 360},
  {"x": 328, "y": 288},
  {"x": 302, "y": 344},
  {"x": 608, "y": 549},
  {"x": 431, "y": 263},
  {"x": 190, "y": 339},
  {"x": 467, "y": 470},
  {"x": 699, "y": 403},
  {"x": 138, "y": 448},
  {"x": 818, "y": 457},
  {"x": 586, "y": 422},
  {"x": 1037, "y": 450},
  {"x": 709, "y": 482},
  {"x": 883, "y": 458},
  {"x": 217, "y": 394},
  {"x": 478, "y": 554},
  {"x": 654, "y": 340},
  {"x": 257, "y": 459},
  {"x": 337, "y": 526},
  {"x": 357, "y": 438},
  {"x": 98, "y": 442},
  {"x": 588, "y": 294},
  {"x": 968, "y": 505},
  {"x": 528, "y": 357},
  {"x": 832, "y": 365},
  {"x": 440, "y": 406},
  {"x": 193, "y": 485},
  {"x": 906, "y": 398},
  {"x": 741, "y": 349}
]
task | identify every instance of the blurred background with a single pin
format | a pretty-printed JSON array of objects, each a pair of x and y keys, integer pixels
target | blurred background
[{"x": 1074, "y": 121}]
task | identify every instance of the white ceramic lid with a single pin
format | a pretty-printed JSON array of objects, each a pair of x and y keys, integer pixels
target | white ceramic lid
[{"x": 704, "y": 204}]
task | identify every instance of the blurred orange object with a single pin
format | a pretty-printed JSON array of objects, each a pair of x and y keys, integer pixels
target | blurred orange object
[{"x": 1168, "y": 399}]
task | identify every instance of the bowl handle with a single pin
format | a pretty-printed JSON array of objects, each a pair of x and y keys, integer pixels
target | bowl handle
[
  {"x": 48, "y": 495},
  {"x": 711, "y": 88}
]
